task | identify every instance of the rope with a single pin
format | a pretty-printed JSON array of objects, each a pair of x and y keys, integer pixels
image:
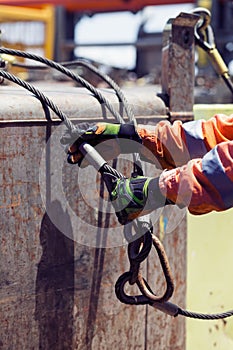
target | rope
[
  {"x": 68, "y": 73},
  {"x": 44, "y": 99},
  {"x": 108, "y": 80},
  {"x": 202, "y": 316},
  {"x": 92, "y": 68}
]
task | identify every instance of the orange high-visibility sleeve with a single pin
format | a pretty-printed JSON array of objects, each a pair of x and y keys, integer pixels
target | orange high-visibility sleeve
[
  {"x": 165, "y": 142},
  {"x": 217, "y": 129},
  {"x": 203, "y": 185},
  {"x": 175, "y": 144}
]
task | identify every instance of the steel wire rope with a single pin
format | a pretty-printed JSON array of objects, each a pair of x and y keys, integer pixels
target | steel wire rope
[
  {"x": 137, "y": 163},
  {"x": 44, "y": 99},
  {"x": 137, "y": 166},
  {"x": 67, "y": 72},
  {"x": 86, "y": 84},
  {"x": 202, "y": 316},
  {"x": 91, "y": 67},
  {"x": 97, "y": 94}
]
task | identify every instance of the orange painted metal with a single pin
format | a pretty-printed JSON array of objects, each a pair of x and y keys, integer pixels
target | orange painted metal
[{"x": 98, "y": 6}]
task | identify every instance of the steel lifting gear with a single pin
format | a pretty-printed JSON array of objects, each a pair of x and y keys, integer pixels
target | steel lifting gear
[
  {"x": 140, "y": 244},
  {"x": 204, "y": 37},
  {"x": 139, "y": 249}
]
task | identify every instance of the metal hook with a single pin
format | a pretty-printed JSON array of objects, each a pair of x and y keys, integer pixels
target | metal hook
[
  {"x": 204, "y": 37},
  {"x": 205, "y": 17},
  {"x": 203, "y": 32}
]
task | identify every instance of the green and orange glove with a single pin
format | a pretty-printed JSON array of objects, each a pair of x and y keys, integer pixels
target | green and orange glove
[
  {"x": 134, "y": 197},
  {"x": 97, "y": 134}
]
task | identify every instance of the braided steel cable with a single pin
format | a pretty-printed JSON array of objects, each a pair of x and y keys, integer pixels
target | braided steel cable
[
  {"x": 108, "y": 80},
  {"x": 85, "y": 63},
  {"x": 67, "y": 72},
  {"x": 44, "y": 99},
  {"x": 202, "y": 316}
]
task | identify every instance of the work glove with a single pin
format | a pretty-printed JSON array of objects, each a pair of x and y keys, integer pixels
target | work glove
[
  {"x": 134, "y": 197},
  {"x": 96, "y": 134}
]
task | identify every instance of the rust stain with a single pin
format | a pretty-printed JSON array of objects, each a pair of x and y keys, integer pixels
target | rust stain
[
  {"x": 8, "y": 299},
  {"x": 15, "y": 203},
  {"x": 2, "y": 157}
]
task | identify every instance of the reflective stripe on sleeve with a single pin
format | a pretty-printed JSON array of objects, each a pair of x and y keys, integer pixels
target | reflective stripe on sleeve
[
  {"x": 214, "y": 171},
  {"x": 194, "y": 139}
]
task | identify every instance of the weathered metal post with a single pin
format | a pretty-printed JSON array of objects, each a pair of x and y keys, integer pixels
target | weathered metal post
[
  {"x": 178, "y": 66},
  {"x": 60, "y": 253}
]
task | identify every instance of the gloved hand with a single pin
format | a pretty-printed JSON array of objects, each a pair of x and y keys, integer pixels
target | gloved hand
[
  {"x": 97, "y": 134},
  {"x": 135, "y": 197}
]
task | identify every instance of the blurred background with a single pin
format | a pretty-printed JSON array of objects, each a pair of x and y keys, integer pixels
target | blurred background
[{"x": 124, "y": 39}]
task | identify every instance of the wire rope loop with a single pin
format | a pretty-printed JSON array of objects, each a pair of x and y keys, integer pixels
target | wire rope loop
[
  {"x": 126, "y": 298},
  {"x": 143, "y": 284},
  {"x": 134, "y": 272},
  {"x": 147, "y": 291},
  {"x": 139, "y": 249}
]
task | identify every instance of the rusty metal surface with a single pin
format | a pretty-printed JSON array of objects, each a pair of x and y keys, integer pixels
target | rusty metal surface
[
  {"x": 178, "y": 57},
  {"x": 56, "y": 278},
  {"x": 78, "y": 103}
]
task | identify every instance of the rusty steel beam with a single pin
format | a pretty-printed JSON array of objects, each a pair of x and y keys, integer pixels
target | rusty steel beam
[
  {"x": 80, "y": 105},
  {"x": 178, "y": 63}
]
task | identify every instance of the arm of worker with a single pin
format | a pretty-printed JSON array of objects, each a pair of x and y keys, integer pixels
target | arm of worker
[
  {"x": 172, "y": 145},
  {"x": 175, "y": 144},
  {"x": 202, "y": 185}
]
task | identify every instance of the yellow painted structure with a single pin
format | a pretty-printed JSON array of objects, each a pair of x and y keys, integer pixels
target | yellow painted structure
[
  {"x": 204, "y": 3},
  {"x": 45, "y": 14},
  {"x": 210, "y": 261}
]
